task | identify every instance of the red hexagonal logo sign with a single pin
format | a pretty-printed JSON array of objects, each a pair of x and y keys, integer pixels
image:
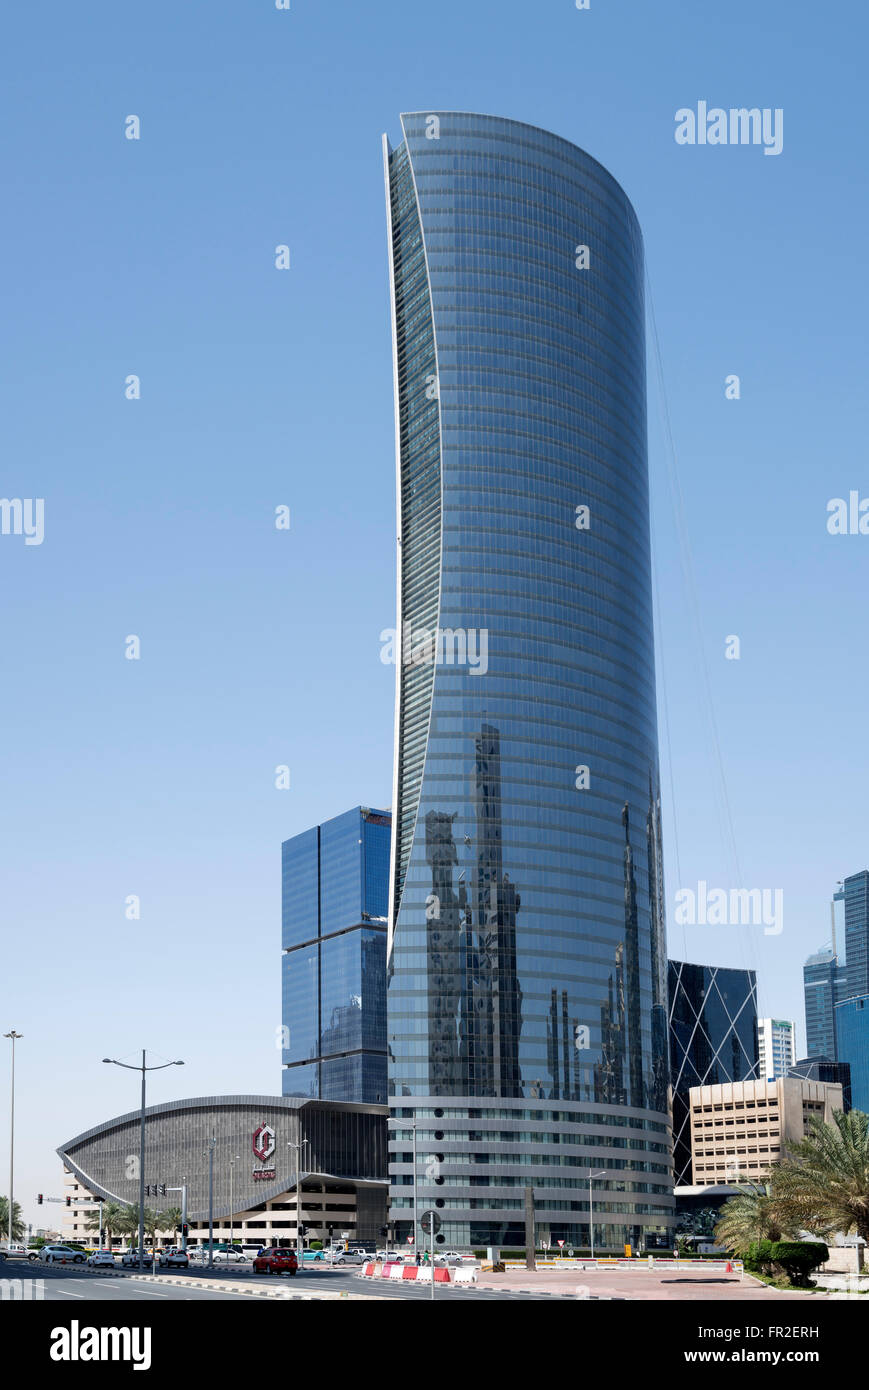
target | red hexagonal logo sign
[{"x": 263, "y": 1142}]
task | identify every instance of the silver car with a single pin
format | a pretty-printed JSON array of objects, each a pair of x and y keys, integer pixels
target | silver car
[{"x": 61, "y": 1255}]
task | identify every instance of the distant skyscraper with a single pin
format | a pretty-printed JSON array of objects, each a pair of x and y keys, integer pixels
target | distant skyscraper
[
  {"x": 713, "y": 1040},
  {"x": 852, "y": 1032},
  {"x": 822, "y": 979},
  {"x": 775, "y": 1048},
  {"x": 335, "y": 901},
  {"x": 855, "y": 892},
  {"x": 527, "y": 972},
  {"x": 835, "y": 974}
]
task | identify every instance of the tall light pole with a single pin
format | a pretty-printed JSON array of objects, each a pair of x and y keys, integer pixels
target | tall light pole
[
  {"x": 412, "y": 1124},
  {"x": 591, "y": 1177},
  {"x": 13, "y": 1035},
  {"x": 212, "y": 1144},
  {"x": 232, "y": 1162},
  {"x": 298, "y": 1145},
  {"x": 144, "y": 1070}
]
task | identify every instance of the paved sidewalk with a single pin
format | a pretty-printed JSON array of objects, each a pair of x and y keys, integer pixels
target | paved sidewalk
[{"x": 641, "y": 1283}]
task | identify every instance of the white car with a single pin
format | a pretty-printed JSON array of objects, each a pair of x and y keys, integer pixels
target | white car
[
  {"x": 102, "y": 1258},
  {"x": 132, "y": 1259},
  {"x": 448, "y": 1257},
  {"x": 61, "y": 1255},
  {"x": 13, "y": 1250},
  {"x": 229, "y": 1257},
  {"x": 389, "y": 1257},
  {"x": 349, "y": 1257}
]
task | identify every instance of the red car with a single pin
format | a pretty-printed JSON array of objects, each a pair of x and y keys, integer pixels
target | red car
[{"x": 276, "y": 1261}]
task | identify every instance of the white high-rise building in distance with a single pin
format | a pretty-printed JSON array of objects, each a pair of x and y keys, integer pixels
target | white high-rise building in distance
[{"x": 776, "y": 1049}]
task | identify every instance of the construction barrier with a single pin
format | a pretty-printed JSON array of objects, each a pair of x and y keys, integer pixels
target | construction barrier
[{"x": 421, "y": 1272}]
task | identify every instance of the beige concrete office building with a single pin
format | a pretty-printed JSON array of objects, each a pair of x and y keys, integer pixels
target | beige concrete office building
[{"x": 738, "y": 1129}]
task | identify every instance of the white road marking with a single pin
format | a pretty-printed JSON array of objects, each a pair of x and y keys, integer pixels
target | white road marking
[{"x": 71, "y": 1295}]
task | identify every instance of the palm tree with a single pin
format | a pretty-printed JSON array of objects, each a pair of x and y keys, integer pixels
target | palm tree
[
  {"x": 750, "y": 1216},
  {"x": 112, "y": 1221},
  {"x": 128, "y": 1224},
  {"x": 17, "y": 1222},
  {"x": 170, "y": 1220},
  {"x": 822, "y": 1183}
]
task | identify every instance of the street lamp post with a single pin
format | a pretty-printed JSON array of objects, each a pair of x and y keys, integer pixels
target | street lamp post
[
  {"x": 212, "y": 1144},
  {"x": 144, "y": 1070},
  {"x": 298, "y": 1145},
  {"x": 412, "y": 1124},
  {"x": 13, "y": 1035},
  {"x": 232, "y": 1162},
  {"x": 591, "y": 1177}
]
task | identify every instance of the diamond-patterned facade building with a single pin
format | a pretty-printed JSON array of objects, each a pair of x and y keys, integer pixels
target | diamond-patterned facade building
[{"x": 713, "y": 1039}]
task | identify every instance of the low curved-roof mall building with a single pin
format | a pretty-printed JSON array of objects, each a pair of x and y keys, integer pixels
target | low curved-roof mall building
[{"x": 343, "y": 1165}]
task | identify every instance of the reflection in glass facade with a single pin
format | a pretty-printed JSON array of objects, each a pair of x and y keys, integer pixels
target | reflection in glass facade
[
  {"x": 713, "y": 1039},
  {"x": 527, "y": 958},
  {"x": 335, "y": 899}
]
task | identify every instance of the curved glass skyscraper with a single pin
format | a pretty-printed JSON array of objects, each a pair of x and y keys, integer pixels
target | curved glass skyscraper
[{"x": 527, "y": 962}]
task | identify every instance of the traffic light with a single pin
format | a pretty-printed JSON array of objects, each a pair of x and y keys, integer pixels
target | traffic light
[
  {"x": 384, "y": 1231},
  {"x": 69, "y": 1201},
  {"x": 185, "y": 1230},
  {"x": 39, "y": 1200},
  {"x": 303, "y": 1230}
]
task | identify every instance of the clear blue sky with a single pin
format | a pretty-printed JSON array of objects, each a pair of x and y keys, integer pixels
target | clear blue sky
[{"x": 259, "y": 388}]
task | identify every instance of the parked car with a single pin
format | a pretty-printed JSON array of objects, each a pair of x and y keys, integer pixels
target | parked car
[
  {"x": 389, "y": 1257},
  {"x": 349, "y": 1257},
  {"x": 174, "y": 1259},
  {"x": 103, "y": 1258},
  {"x": 61, "y": 1255},
  {"x": 229, "y": 1257},
  {"x": 276, "y": 1261},
  {"x": 314, "y": 1255},
  {"x": 448, "y": 1257}
]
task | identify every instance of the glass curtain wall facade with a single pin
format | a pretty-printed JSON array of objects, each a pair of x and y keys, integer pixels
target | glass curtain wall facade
[
  {"x": 823, "y": 983},
  {"x": 852, "y": 1031},
  {"x": 527, "y": 962},
  {"x": 335, "y": 896},
  {"x": 855, "y": 892},
  {"x": 713, "y": 1040}
]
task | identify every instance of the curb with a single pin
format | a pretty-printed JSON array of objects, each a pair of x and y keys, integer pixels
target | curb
[{"x": 252, "y": 1290}]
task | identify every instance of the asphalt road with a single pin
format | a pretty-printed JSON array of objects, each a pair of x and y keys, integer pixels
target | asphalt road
[{"x": 72, "y": 1285}]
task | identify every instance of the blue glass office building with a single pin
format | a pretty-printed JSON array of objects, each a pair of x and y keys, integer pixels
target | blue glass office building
[
  {"x": 527, "y": 1002},
  {"x": 855, "y": 892},
  {"x": 823, "y": 983},
  {"x": 335, "y": 893},
  {"x": 830, "y": 979},
  {"x": 852, "y": 1031}
]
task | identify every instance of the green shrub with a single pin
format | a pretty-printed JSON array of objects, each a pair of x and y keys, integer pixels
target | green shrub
[
  {"x": 759, "y": 1257},
  {"x": 798, "y": 1258}
]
